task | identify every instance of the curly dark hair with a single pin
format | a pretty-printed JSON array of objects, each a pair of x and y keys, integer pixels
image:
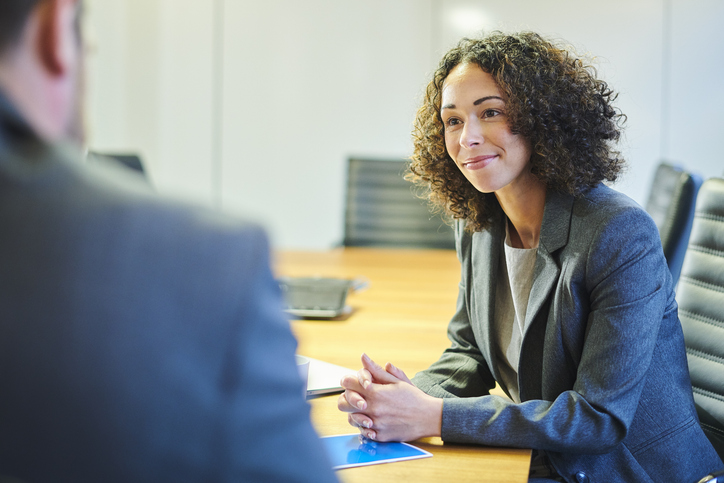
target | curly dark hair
[{"x": 553, "y": 99}]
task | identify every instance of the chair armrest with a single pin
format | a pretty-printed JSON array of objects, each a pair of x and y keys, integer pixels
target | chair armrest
[{"x": 716, "y": 477}]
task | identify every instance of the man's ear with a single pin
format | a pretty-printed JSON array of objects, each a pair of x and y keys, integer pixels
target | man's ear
[{"x": 57, "y": 44}]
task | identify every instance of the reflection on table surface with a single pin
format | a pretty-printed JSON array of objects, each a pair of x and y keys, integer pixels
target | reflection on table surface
[{"x": 401, "y": 318}]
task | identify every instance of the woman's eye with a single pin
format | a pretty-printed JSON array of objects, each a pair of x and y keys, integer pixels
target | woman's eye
[
  {"x": 451, "y": 122},
  {"x": 490, "y": 113}
]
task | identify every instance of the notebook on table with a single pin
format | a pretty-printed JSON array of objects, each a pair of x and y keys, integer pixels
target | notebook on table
[
  {"x": 350, "y": 450},
  {"x": 324, "y": 377}
]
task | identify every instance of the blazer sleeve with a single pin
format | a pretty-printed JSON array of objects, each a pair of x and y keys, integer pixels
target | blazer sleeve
[
  {"x": 624, "y": 293},
  {"x": 266, "y": 425},
  {"x": 461, "y": 371}
]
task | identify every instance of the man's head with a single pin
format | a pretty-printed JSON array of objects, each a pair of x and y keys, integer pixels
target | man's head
[
  {"x": 13, "y": 15},
  {"x": 41, "y": 64}
]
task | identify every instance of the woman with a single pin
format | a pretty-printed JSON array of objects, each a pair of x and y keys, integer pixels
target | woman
[{"x": 565, "y": 300}]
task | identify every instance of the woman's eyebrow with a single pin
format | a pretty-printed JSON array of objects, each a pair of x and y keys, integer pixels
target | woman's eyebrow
[
  {"x": 486, "y": 98},
  {"x": 476, "y": 103}
]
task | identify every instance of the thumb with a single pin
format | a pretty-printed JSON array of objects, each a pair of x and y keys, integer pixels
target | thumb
[
  {"x": 379, "y": 374},
  {"x": 398, "y": 373}
]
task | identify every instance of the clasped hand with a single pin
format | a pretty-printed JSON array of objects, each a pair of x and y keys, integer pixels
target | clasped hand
[{"x": 386, "y": 406}]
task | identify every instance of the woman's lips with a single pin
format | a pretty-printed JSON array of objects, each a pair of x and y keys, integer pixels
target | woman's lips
[{"x": 479, "y": 162}]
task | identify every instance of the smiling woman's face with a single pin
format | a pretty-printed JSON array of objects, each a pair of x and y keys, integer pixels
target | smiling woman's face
[{"x": 477, "y": 135}]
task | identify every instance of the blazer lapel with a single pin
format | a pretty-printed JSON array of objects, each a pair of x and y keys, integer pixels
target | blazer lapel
[
  {"x": 554, "y": 235},
  {"x": 485, "y": 253}
]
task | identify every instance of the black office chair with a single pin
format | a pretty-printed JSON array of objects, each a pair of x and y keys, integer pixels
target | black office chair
[
  {"x": 701, "y": 309},
  {"x": 671, "y": 204},
  {"x": 10, "y": 479},
  {"x": 129, "y": 160},
  {"x": 382, "y": 209},
  {"x": 716, "y": 477}
]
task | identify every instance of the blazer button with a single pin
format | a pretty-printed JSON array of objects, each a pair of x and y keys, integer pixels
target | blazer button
[{"x": 581, "y": 477}]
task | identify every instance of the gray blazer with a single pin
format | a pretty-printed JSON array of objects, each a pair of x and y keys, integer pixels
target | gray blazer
[
  {"x": 603, "y": 376},
  {"x": 140, "y": 340}
]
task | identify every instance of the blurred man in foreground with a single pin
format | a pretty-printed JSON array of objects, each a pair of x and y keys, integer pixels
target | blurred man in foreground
[{"x": 140, "y": 340}]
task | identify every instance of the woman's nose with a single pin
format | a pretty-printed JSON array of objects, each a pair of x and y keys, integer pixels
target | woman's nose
[{"x": 472, "y": 134}]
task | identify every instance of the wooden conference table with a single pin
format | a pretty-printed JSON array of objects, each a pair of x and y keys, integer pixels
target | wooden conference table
[{"x": 401, "y": 318}]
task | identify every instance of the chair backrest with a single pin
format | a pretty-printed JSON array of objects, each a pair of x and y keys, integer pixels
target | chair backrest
[
  {"x": 671, "y": 204},
  {"x": 10, "y": 479},
  {"x": 382, "y": 209},
  {"x": 701, "y": 309},
  {"x": 129, "y": 160}
]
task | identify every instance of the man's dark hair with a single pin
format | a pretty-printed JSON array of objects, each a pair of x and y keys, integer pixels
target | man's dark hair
[{"x": 13, "y": 16}]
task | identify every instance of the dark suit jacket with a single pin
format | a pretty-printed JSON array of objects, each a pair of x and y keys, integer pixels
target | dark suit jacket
[
  {"x": 603, "y": 375},
  {"x": 140, "y": 340}
]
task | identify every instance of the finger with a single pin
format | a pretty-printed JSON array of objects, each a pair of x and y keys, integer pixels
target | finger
[
  {"x": 359, "y": 420},
  {"x": 351, "y": 421},
  {"x": 379, "y": 374},
  {"x": 350, "y": 402},
  {"x": 355, "y": 400},
  {"x": 397, "y": 372},
  {"x": 351, "y": 382},
  {"x": 364, "y": 378},
  {"x": 344, "y": 405},
  {"x": 354, "y": 393}
]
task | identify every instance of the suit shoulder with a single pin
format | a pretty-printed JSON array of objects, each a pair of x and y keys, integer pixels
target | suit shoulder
[
  {"x": 110, "y": 217},
  {"x": 603, "y": 204},
  {"x": 607, "y": 221},
  {"x": 117, "y": 193}
]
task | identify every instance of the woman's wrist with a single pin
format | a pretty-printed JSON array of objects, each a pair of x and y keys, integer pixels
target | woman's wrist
[{"x": 434, "y": 417}]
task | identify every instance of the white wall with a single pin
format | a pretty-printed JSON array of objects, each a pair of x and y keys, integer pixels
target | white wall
[
  {"x": 255, "y": 107},
  {"x": 694, "y": 124},
  {"x": 151, "y": 87},
  {"x": 306, "y": 85}
]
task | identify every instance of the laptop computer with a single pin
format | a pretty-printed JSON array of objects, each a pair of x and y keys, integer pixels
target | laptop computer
[
  {"x": 324, "y": 377},
  {"x": 315, "y": 297}
]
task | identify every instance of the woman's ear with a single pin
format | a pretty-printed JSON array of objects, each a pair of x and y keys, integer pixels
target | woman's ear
[{"x": 57, "y": 42}]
